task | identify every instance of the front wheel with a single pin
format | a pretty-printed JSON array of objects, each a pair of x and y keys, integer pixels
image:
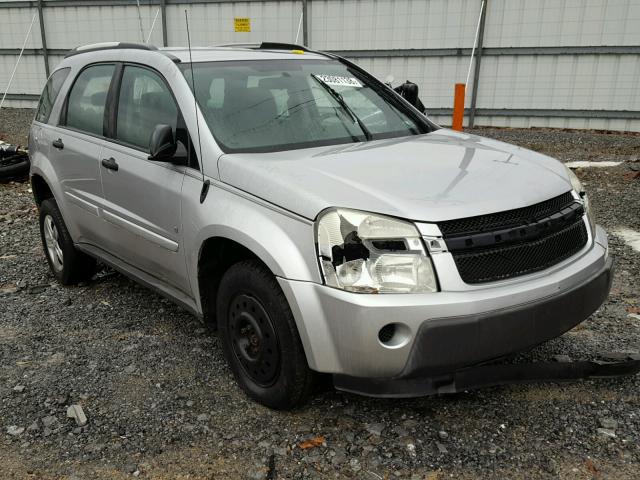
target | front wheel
[{"x": 260, "y": 339}]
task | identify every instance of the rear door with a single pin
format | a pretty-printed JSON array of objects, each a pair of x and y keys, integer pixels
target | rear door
[
  {"x": 142, "y": 198},
  {"x": 75, "y": 147},
  {"x": 39, "y": 138}
]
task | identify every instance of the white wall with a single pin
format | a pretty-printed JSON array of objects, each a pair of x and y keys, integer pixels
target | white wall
[{"x": 516, "y": 82}]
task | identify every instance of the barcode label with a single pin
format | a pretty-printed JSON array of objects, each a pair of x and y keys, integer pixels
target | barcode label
[{"x": 339, "y": 81}]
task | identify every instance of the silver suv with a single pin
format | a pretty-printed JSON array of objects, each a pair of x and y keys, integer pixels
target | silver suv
[{"x": 314, "y": 216}]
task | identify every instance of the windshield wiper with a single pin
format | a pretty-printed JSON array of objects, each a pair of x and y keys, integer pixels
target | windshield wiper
[{"x": 338, "y": 98}]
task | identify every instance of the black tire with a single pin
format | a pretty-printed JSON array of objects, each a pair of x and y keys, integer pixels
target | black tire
[
  {"x": 251, "y": 306},
  {"x": 16, "y": 166},
  {"x": 74, "y": 266}
]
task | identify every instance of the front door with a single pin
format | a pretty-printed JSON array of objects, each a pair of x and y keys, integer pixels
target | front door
[{"x": 142, "y": 198}]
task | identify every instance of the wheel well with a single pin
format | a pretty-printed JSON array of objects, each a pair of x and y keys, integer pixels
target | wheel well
[
  {"x": 41, "y": 190},
  {"x": 217, "y": 255}
]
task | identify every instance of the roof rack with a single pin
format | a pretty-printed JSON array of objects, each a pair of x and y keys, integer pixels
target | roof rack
[{"x": 94, "y": 47}]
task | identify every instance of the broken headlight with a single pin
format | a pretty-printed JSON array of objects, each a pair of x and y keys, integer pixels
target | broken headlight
[
  {"x": 577, "y": 186},
  {"x": 368, "y": 253}
]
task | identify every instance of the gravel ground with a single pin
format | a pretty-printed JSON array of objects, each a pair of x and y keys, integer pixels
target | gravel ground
[
  {"x": 14, "y": 125},
  {"x": 162, "y": 404}
]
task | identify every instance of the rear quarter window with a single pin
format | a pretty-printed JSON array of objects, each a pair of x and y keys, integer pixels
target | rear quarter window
[{"x": 50, "y": 93}]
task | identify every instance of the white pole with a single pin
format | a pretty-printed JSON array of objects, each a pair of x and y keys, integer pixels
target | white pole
[
  {"x": 475, "y": 42},
  {"x": 19, "y": 57},
  {"x": 140, "y": 21},
  {"x": 299, "y": 27},
  {"x": 153, "y": 25}
]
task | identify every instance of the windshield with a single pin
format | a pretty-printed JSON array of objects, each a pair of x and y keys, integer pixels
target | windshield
[{"x": 274, "y": 105}]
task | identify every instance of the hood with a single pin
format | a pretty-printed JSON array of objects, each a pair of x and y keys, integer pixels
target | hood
[{"x": 438, "y": 176}]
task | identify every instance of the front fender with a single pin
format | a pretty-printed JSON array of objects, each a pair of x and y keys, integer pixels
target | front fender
[{"x": 282, "y": 240}]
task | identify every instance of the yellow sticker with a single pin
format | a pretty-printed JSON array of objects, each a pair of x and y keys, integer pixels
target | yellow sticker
[{"x": 242, "y": 24}]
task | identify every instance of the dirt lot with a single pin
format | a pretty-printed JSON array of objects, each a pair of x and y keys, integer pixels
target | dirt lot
[{"x": 162, "y": 404}]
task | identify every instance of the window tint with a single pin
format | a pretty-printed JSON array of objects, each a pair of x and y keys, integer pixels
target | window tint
[
  {"x": 145, "y": 101},
  {"x": 50, "y": 93},
  {"x": 87, "y": 99}
]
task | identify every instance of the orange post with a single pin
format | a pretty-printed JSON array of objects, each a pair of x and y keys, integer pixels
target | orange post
[{"x": 458, "y": 107}]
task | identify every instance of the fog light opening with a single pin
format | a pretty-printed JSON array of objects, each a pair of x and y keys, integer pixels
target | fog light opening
[{"x": 394, "y": 335}]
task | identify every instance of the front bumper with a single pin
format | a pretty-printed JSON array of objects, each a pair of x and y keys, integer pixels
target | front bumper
[
  {"x": 449, "y": 329},
  {"x": 447, "y": 344},
  {"x": 444, "y": 347}
]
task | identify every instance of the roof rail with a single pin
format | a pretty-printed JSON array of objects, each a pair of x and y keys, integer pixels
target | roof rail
[
  {"x": 282, "y": 46},
  {"x": 267, "y": 46},
  {"x": 94, "y": 47}
]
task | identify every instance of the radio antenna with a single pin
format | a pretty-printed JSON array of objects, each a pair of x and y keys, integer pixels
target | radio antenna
[{"x": 205, "y": 183}]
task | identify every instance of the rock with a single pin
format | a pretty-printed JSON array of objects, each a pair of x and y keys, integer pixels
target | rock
[
  {"x": 8, "y": 290},
  {"x": 129, "y": 369},
  {"x": 443, "y": 435},
  {"x": 55, "y": 359},
  {"x": 375, "y": 428},
  {"x": 441, "y": 448},
  {"x": 355, "y": 465},
  {"x": 400, "y": 431},
  {"x": 606, "y": 433},
  {"x": 608, "y": 423},
  {"x": 49, "y": 421},
  {"x": 34, "y": 427},
  {"x": 190, "y": 403},
  {"x": 14, "y": 430},
  {"x": 339, "y": 458},
  {"x": 411, "y": 448},
  {"x": 76, "y": 412},
  {"x": 203, "y": 417},
  {"x": 130, "y": 467},
  {"x": 562, "y": 358},
  {"x": 258, "y": 474},
  {"x": 19, "y": 388}
]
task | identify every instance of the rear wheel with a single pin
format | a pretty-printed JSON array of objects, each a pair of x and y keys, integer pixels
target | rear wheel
[
  {"x": 67, "y": 264},
  {"x": 260, "y": 339}
]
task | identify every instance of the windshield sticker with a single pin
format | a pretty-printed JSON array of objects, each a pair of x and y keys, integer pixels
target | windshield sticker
[{"x": 338, "y": 81}]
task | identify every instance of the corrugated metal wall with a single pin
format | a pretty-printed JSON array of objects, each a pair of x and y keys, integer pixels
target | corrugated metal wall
[{"x": 523, "y": 81}]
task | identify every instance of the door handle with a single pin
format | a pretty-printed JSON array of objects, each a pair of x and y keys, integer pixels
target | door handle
[
  {"x": 58, "y": 144},
  {"x": 110, "y": 163}
]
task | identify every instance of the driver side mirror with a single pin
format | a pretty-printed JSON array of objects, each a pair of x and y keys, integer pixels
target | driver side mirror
[{"x": 162, "y": 146}]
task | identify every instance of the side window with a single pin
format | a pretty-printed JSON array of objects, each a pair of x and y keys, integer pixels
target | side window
[
  {"x": 145, "y": 101},
  {"x": 87, "y": 99},
  {"x": 50, "y": 93}
]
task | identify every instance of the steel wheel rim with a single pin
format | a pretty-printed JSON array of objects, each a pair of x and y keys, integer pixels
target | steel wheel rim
[
  {"x": 52, "y": 242},
  {"x": 254, "y": 340}
]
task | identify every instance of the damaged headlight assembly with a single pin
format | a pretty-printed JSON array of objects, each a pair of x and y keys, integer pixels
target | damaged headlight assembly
[
  {"x": 369, "y": 253},
  {"x": 577, "y": 186}
]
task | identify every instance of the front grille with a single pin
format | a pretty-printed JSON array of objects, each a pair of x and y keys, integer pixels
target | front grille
[
  {"x": 516, "y": 242},
  {"x": 509, "y": 218},
  {"x": 499, "y": 263}
]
